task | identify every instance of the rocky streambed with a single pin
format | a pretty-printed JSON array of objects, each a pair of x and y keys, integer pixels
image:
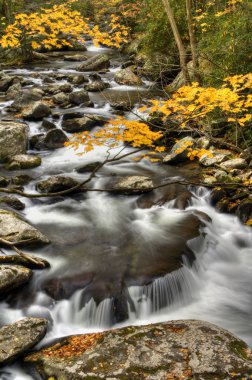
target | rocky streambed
[{"x": 118, "y": 257}]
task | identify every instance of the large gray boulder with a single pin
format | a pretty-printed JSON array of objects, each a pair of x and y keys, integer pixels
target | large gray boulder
[
  {"x": 15, "y": 229},
  {"x": 13, "y": 139},
  {"x": 23, "y": 161},
  {"x": 95, "y": 63},
  {"x": 55, "y": 184},
  {"x": 85, "y": 123},
  {"x": 176, "y": 350},
  {"x": 17, "y": 338},
  {"x": 127, "y": 77},
  {"x": 133, "y": 184},
  {"x": 12, "y": 277},
  {"x": 179, "y": 152}
]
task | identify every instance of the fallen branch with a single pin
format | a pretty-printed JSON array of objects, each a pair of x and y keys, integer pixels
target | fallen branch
[{"x": 21, "y": 258}]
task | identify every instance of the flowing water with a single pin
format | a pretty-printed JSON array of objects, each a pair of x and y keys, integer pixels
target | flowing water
[{"x": 113, "y": 262}]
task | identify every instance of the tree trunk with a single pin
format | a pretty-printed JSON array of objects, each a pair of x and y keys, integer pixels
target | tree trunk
[
  {"x": 179, "y": 42},
  {"x": 196, "y": 75}
]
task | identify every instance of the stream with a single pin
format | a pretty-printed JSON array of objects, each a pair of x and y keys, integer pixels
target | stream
[{"x": 114, "y": 260}]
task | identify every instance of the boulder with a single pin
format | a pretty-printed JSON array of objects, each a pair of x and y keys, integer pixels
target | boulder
[
  {"x": 48, "y": 124},
  {"x": 13, "y": 91},
  {"x": 13, "y": 139},
  {"x": 236, "y": 163},
  {"x": 95, "y": 63},
  {"x": 12, "y": 277},
  {"x": 18, "y": 338},
  {"x": 21, "y": 180},
  {"x": 96, "y": 86},
  {"x": 133, "y": 185},
  {"x": 37, "y": 111},
  {"x": 61, "y": 98},
  {"x": 5, "y": 82},
  {"x": 179, "y": 152},
  {"x": 4, "y": 181},
  {"x": 23, "y": 161},
  {"x": 216, "y": 159},
  {"x": 15, "y": 229},
  {"x": 79, "y": 97},
  {"x": 53, "y": 139},
  {"x": 127, "y": 77},
  {"x": 27, "y": 97},
  {"x": 182, "y": 349},
  {"x": 77, "y": 79},
  {"x": 85, "y": 123},
  {"x": 55, "y": 184},
  {"x": 57, "y": 88},
  {"x": 12, "y": 202}
]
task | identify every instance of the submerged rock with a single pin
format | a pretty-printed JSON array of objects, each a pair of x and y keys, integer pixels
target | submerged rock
[
  {"x": 127, "y": 77},
  {"x": 13, "y": 139},
  {"x": 23, "y": 161},
  {"x": 56, "y": 184},
  {"x": 14, "y": 229},
  {"x": 18, "y": 338},
  {"x": 12, "y": 277},
  {"x": 183, "y": 349},
  {"x": 95, "y": 63}
]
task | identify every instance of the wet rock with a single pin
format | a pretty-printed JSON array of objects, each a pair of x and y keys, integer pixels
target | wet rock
[
  {"x": 88, "y": 168},
  {"x": 79, "y": 97},
  {"x": 75, "y": 58},
  {"x": 244, "y": 211},
  {"x": 5, "y": 82},
  {"x": 48, "y": 80},
  {"x": 12, "y": 202},
  {"x": 61, "y": 98},
  {"x": 77, "y": 79},
  {"x": 236, "y": 163},
  {"x": 4, "y": 181},
  {"x": 217, "y": 159},
  {"x": 247, "y": 154},
  {"x": 95, "y": 63},
  {"x": 57, "y": 88},
  {"x": 85, "y": 123},
  {"x": 27, "y": 97},
  {"x": 127, "y": 77},
  {"x": 13, "y": 139},
  {"x": 178, "y": 349},
  {"x": 15, "y": 229},
  {"x": 179, "y": 152},
  {"x": 21, "y": 180},
  {"x": 12, "y": 277},
  {"x": 217, "y": 195},
  {"x": 55, "y": 184},
  {"x": 133, "y": 185},
  {"x": 97, "y": 86},
  {"x": 122, "y": 106},
  {"x": 37, "y": 111},
  {"x": 23, "y": 161},
  {"x": 18, "y": 338},
  {"x": 53, "y": 139},
  {"x": 13, "y": 91},
  {"x": 48, "y": 124}
]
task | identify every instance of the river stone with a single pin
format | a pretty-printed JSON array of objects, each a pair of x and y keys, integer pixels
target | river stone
[
  {"x": 13, "y": 139},
  {"x": 13, "y": 91},
  {"x": 19, "y": 337},
  {"x": 134, "y": 185},
  {"x": 5, "y": 82},
  {"x": 179, "y": 152},
  {"x": 12, "y": 202},
  {"x": 23, "y": 161},
  {"x": 127, "y": 77},
  {"x": 4, "y": 181},
  {"x": 37, "y": 111},
  {"x": 12, "y": 277},
  {"x": 48, "y": 124},
  {"x": 77, "y": 79},
  {"x": 236, "y": 163},
  {"x": 57, "y": 88},
  {"x": 183, "y": 349},
  {"x": 75, "y": 58},
  {"x": 218, "y": 158},
  {"x": 27, "y": 97},
  {"x": 79, "y": 97},
  {"x": 55, "y": 184},
  {"x": 15, "y": 229},
  {"x": 85, "y": 123},
  {"x": 54, "y": 139},
  {"x": 96, "y": 86},
  {"x": 60, "y": 98},
  {"x": 95, "y": 63}
]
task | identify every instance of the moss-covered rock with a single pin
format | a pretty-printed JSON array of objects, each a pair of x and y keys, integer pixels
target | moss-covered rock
[
  {"x": 23, "y": 161},
  {"x": 185, "y": 349}
]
